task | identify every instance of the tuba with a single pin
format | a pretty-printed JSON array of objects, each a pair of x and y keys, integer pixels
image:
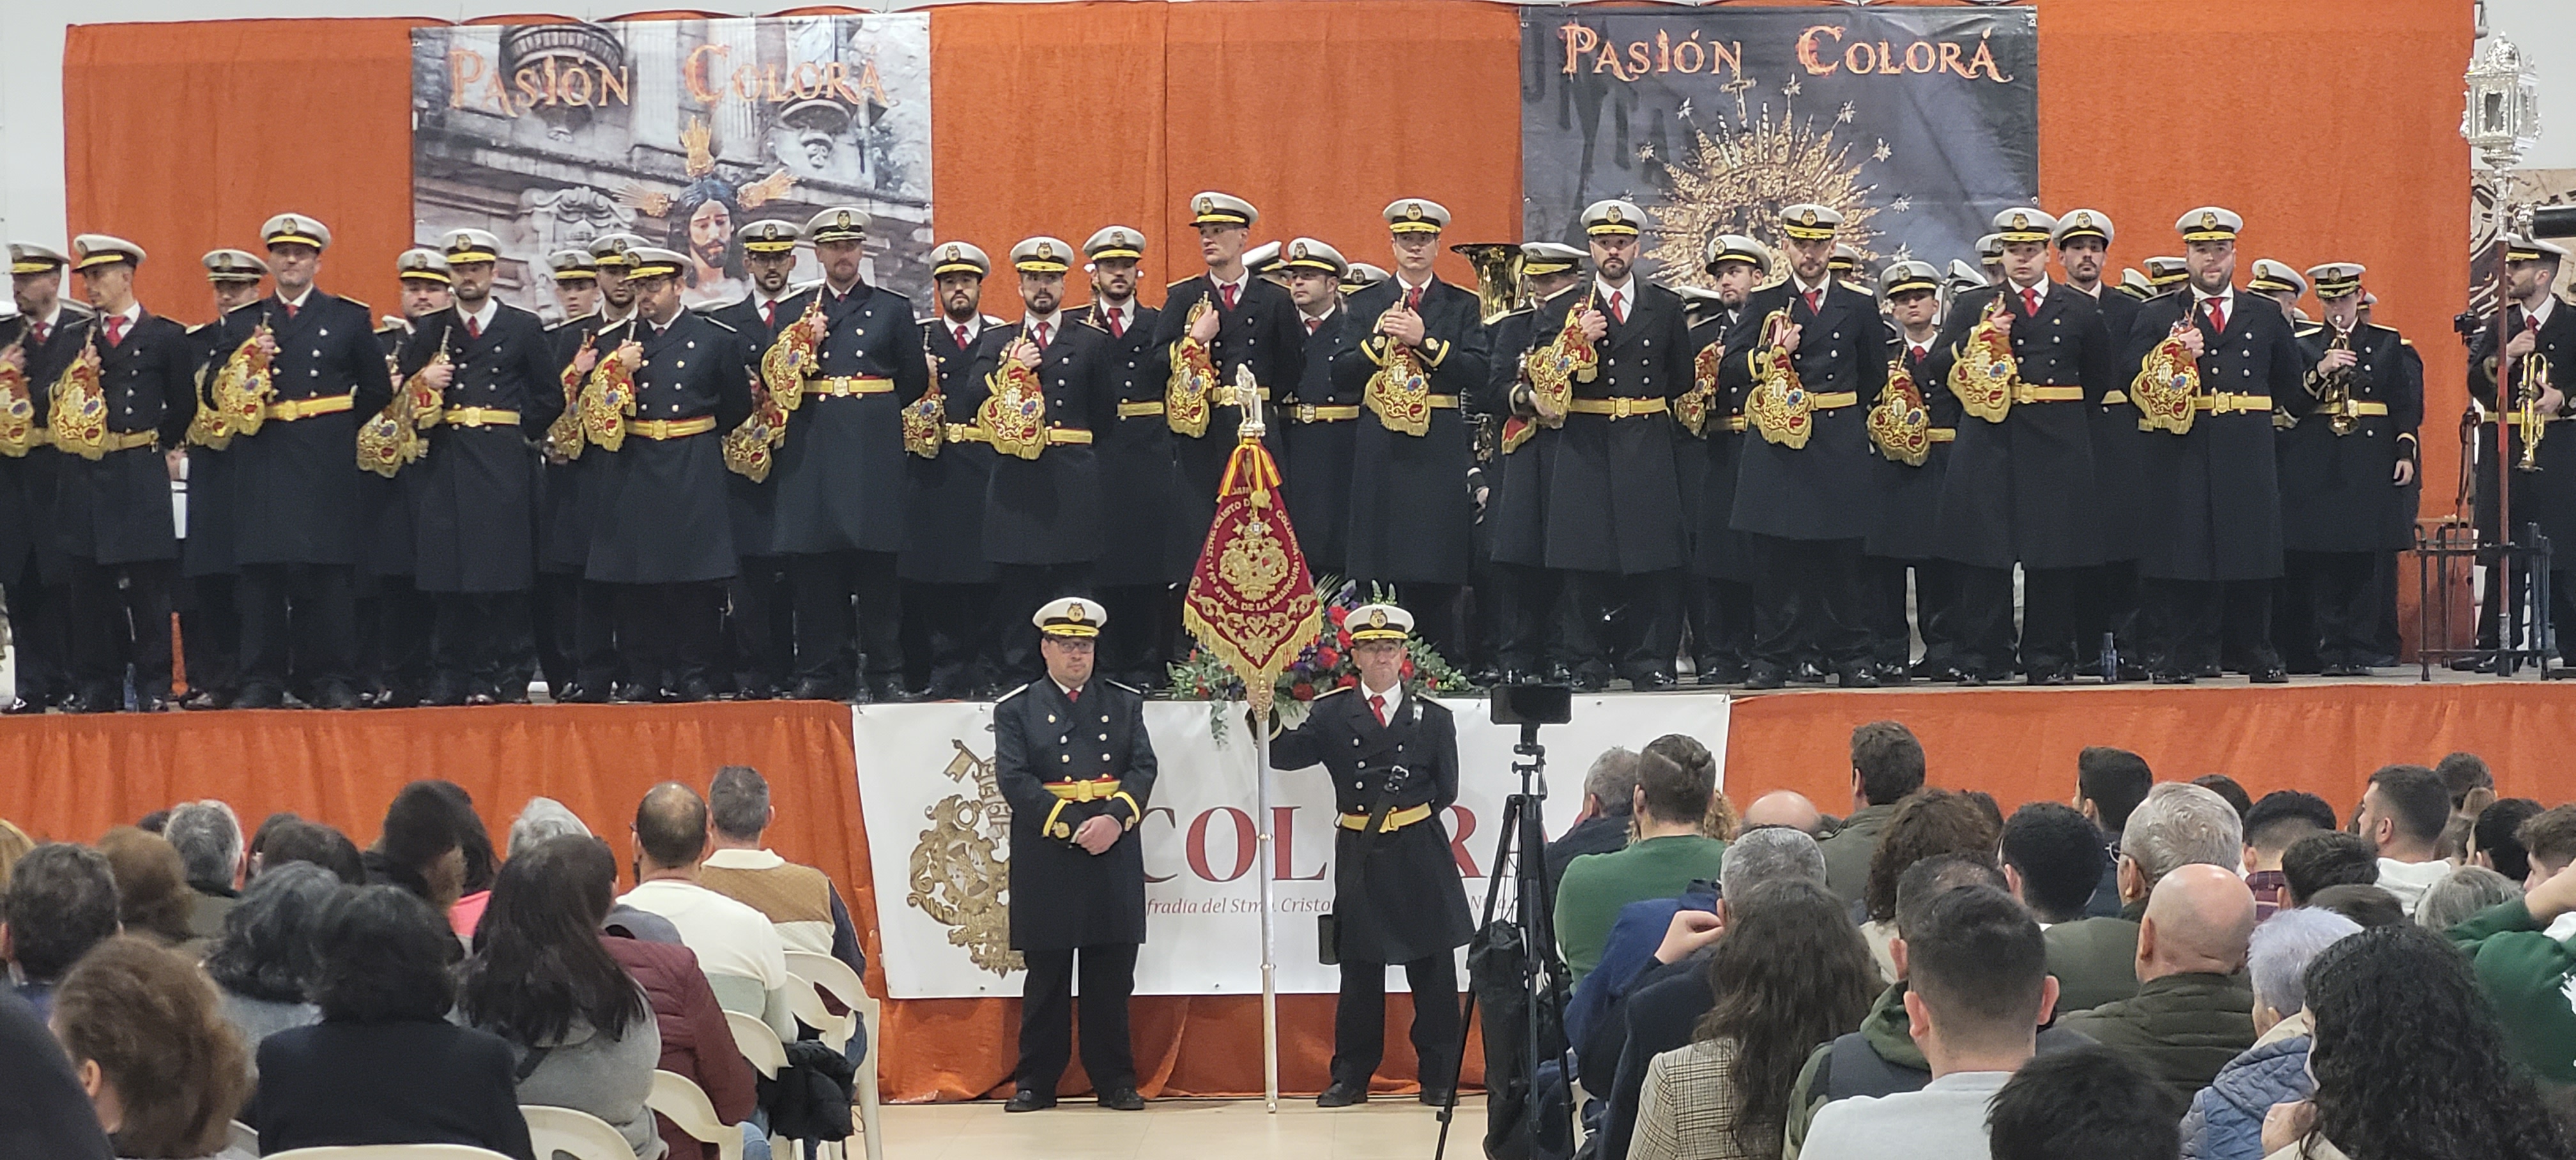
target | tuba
[
  {"x": 1498, "y": 277},
  {"x": 2334, "y": 389},
  {"x": 2531, "y": 377}
]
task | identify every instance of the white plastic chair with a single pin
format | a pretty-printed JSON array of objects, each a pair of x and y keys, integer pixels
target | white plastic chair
[
  {"x": 574, "y": 1133},
  {"x": 757, "y": 1043},
  {"x": 845, "y": 987},
  {"x": 244, "y": 1140},
  {"x": 680, "y": 1100},
  {"x": 390, "y": 1152}
]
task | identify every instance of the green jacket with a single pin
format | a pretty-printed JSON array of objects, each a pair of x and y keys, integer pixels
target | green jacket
[
  {"x": 2531, "y": 979},
  {"x": 2095, "y": 961},
  {"x": 1889, "y": 1032},
  {"x": 1595, "y": 886},
  {"x": 2180, "y": 1028},
  {"x": 1847, "y": 852}
]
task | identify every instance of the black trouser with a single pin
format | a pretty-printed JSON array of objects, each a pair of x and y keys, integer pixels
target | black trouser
[
  {"x": 1436, "y": 609},
  {"x": 1808, "y": 602},
  {"x": 825, "y": 585},
  {"x": 553, "y": 611},
  {"x": 951, "y": 637},
  {"x": 1138, "y": 643},
  {"x": 595, "y": 651},
  {"x": 1935, "y": 591},
  {"x": 1985, "y": 620},
  {"x": 395, "y": 619},
  {"x": 303, "y": 614},
  {"x": 1647, "y": 637},
  {"x": 1721, "y": 625},
  {"x": 475, "y": 643},
  {"x": 1019, "y": 591},
  {"x": 210, "y": 634},
  {"x": 2189, "y": 616},
  {"x": 2338, "y": 594},
  {"x": 2106, "y": 601},
  {"x": 668, "y": 634},
  {"x": 761, "y": 625},
  {"x": 1525, "y": 600},
  {"x": 38, "y": 645},
  {"x": 1046, "y": 1017},
  {"x": 120, "y": 613},
  {"x": 1359, "y": 1021}
]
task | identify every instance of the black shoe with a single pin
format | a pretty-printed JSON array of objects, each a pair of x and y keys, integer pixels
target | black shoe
[
  {"x": 259, "y": 695},
  {"x": 1654, "y": 682},
  {"x": 1438, "y": 1097},
  {"x": 95, "y": 700},
  {"x": 889, "y": 691},
  {"x": 1891, "y": 673},
  {"x": 585, "y": 694},
  {"x": 1588, "y": 681},
  {"x": 334, "y": 695},
  {"x": 1765, "y": 676},
  {"x": 2131, "y": 671},
  {"x": 1855, "y": 677},
  {"x": 1723, "y": 673},
  {"x": 693, "y": 691},
  {"x": 2060, "y": 675},
  {"x": 818, "y": 689},
  {"x": 1341, "y": 1095},
  {"x": 2474, "y": 663},
  {"x": 1972, "y": 678},
  {"x": 633, "y": 694},
  {"x": 1028, "y": 1100},
  {"x": 2173, "y": 677},
  {"x": 1124, "y": 1099},
  {"x": 22, "y": 706},
  {"x": 1807, "y": 673},
  {"x": 444, "y": 694},
  {"x": 2269, "y": 674}
]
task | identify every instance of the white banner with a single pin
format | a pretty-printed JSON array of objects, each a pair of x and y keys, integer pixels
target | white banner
[{"x": 939, "y": 838}]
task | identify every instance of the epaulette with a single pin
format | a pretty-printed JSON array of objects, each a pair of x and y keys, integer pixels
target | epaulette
[
  {"x": 2309, "y": 329},
  {"x": 1181, "y": 283},
  {"x": 1015, "y": 692},
  {"x": 389, "y": 325},
  {"x": 1531, "y": 309},
  {"x": 1329, "y": 692},
  {"x": 1123, "y": 685},
  {"x": 359, "y": 305},
  {"x": 76, "y": 309},
  {"x": 553, "y": 327},
  {"x": 1857, "y": 288},
  {"x": 193, "y": 329},
  {"x": 253, "y": 304},
  {"x": 718, "y": 324}
]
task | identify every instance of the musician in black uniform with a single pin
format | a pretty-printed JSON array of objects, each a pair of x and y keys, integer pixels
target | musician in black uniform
[
  {"x": 1906, "y": 537},
  {"x": 1809, "y": 508},
  {"x": 561, "y": 618},
  {"x": 1393, "y": 757},
  {"x": 839, "y": 476},
  {"x": 1412, "y": 518},
  {"x": 2538, "y": 323},
  {"x": 1718, "y": 598},
  {"x": 2106, "y": 596},
  {"x": 663, "y": 535},
  {"x": 1147, "y": 551},
  {"x": 1248, "y": 322},
  {"x": 2021, "y": 486},
  {"x": 296, "y": 512},
  {"x": 111, "y": 512},
  {"x": 2213, "y": 542},
  {"x": 396, "y": 618},
  {"x": 760, "y": 617},
  {"x": 1325, "y": 411},
  {"x": 1071, "y": 755},
  {"x": 209, "y": 620},
  {"x": 48, "y": 332},
  {"x": 951, "y": 639},
  {"x": 1526, "y": 589},
  {"x": 2347, "y": 488}
]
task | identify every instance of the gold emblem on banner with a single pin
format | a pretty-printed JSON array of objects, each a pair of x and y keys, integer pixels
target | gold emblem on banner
[
  {"x": 1986, "y": 375},
  {"x": 1779, "y": 405},
  {"x": 1898, "y": 422},
  {"x": 960, "y": 870}
]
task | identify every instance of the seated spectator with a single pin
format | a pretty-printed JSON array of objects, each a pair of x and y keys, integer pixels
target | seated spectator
[
  {"x": 162, "y": 1068},
  {"x": 14, "y": 844},
  {"x": 736, "y": 946},
  {"x": 2052, "y": 858},
  {"x": 152, "y": 895},
  {"x": 2228, "y": 790},
  {"x": 1609, "y": 802},
  {"x": 2190, "y": 1016},
  {"x": 2525, "y": 971},
  {"x": 1887, "y": 764},
  {"x": 2471, "y": 786},
  {"x": 1786, "y": 808},
  {"x": 1667, "y": 856},
  {"x": 208, "y": 837},
  {"x": 2226, "y": 1118},
  {"x": 2549, "y": 841},
  {"x": 324, "y": 846},
  {"x": 43, "y": 1111},
  {"x": 2333, "y": 858},
  {"x": 384, "y": 1066},
  {"x": 62, "y": 902},
  {"x": 265, "y": 962},
  {"x": 2370, "y": 906},
  {"x": 2403, "y": 813},
  {"x": 421, "y": 846},
  {"x": 2493, "y": 844},
  {"x": 1927, "y": 824},
  {"x": 2176, "y": 825},
  {"x": 2109, "y": 784},
  {"x": 2409, "y": 1061},
  {"x": 1790, "y": 977},
  {"x": 543, "y": 818},
  {"x": 475, "y": 843},
  {"x": 2461, "y": 895},
  {"x": 580, "y": 1032},
  {"x": 2282, "y": 817},
  {"x": 255, "y": 852},
  {"x": 800, "y": 901},
  {"x": 2090, "y": 1102},
  {"x": 1977, "y": 991}
]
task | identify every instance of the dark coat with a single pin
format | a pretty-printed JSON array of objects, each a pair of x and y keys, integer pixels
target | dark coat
[
  {"x": 116, "y": 510},
  {"x": 1261, "y": 332},
  {"x": 2023, "y": 490},
  {"x": 2119, "y": 448},
  {"x": 1061, "y": 895},
  {"x": 1396, "y": 897},
  {"x": 2180, "y": 1029},
  {"x": 2547, "y": 495},
  {"x": 1411, "y": 514},
  {"x": 1318, "y": 466},
  {"x": 27, "y": 483},
  {"x": 1140, "y": 470},
  {"x": 944, "y": 494},
  {"x": 2339, "y": 493},
  {"x": 754, "y": 505},
  {"x": 1613, "y": 499},
  {"x": 568, "y": 492},
  {"x": 696, "y": 1041},
  {"x": 475, "y": 494},
  {"x": 386, "y": 546},
  {"x": 1909, "y": 501},
  {"x": 662, "y": 517},
  {"x": 839, "y": 474},
  {"x": 1516, "y": 515},
  {"x": 1709, "y": 466},
  {"x": 328, "y": 1085},
  {"x": 1827, "y": 489},
  {"x": 208, "y": 547},
  {"x": 296, "y": 485},
  {"x": 1048, "y": 510},
  {"x": 2216, "y": 510}
]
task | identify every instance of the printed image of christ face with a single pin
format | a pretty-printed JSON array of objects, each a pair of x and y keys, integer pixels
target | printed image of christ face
[{"x": 710, "y": 228}]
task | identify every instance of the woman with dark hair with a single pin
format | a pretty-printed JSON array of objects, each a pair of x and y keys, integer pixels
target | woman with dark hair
[
  {"x": 1927, "y": 824},
  {"x": 316, "y": 843},
  {"x": 163, "y": 1069},
  {"x": 474, "y": 843},
  {"x": 265, "y": 962},
  {"x": 152, "y": 895},
  {"x": 579, "y": 1029},
  {"x": 1789, "y": 973},
  {"x": 2410, "y": 1062},
  {"x": 421, "y": 847},
  {"x": 384, "y": 1066}
]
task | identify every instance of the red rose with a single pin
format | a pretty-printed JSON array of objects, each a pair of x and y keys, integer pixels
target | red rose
[
  {"x": 1328, "y": 657},
  {"x": 1348, "y": 680},
  {"x": 1302, "y": 690},
  {"x": 1337, "y": 614}
]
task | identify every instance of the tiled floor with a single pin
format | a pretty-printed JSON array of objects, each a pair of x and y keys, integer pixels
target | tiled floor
[{"x": 1388, "y": 1128}]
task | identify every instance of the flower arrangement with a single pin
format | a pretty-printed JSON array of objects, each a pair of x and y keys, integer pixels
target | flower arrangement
[{"x": 1324, "y": 666}]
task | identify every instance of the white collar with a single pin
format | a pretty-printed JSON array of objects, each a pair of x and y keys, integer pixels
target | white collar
[
  {"x": 2040, "y": 288},
  {"x": 1068, "y": 691},
  {"x": 1394, "y": 696},
  {"x": 974, "y": 326},
  {"x": 52, "y": 321},
  {"x": 1926, "y": 344},
  {"x": 2225, "y": 298},
  {"x": 1053, "y": 322},
  {"x": 1125, "y": 312},
  {"x": 838, "y": 295},
  {"x": 2548, "y": 306},
  {"x": 1628, "y": 288},
  {"x": 133, "y": 313},
  {"x": 607, "y": 320},
  {"x": 1240, "y": 281},
  {"x": 1819, "y": 289},
  {"x": 297, "y": 302},
  {"x": 1425, "y": 287},
  {"x": 1320, "y": 319},
  {"x": 482, "y": 319}
]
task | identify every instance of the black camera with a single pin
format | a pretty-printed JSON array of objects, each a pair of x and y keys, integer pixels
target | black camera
[{"x": 1532, "y": 704}]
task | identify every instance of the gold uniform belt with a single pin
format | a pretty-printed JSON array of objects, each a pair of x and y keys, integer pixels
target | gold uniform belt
[
  {"x": 1395, "y": 819},
  {"x": 2358, "y": 408},
  {"x": 2223, "y": 403},
  {"x": 1140, "y": 410},
  {"x": 845, "y": 385},
  {"x": 112, "y": 441},
  {"x": 1735, "y": 423},
  {"x": 2043, "y": 393},
  {"x": 671, "y": 428},
  {"x": 1943, "y": 434},
  {"x": 293, "y": 409},
  {"x": 1055, "y": 436},
  {"x": 479, "y": 417},
  {"x": 1095, "y": 790},
  {"x": 1833, "y": 400},
  {"x": 1619, "y": 407},
  {"x": 1327, "y": 413}
]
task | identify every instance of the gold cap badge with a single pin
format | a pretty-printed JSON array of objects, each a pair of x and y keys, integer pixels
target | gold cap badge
[
  {"x": 1377, "y": 618},
  {"x": 2208, "y": 221},
  {"x": 1807, "y": 218}
]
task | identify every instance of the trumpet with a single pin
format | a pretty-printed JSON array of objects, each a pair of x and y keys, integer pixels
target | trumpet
[
  {"x": 2335, "y": 389},
  {"x": 2531, "y": 377}
]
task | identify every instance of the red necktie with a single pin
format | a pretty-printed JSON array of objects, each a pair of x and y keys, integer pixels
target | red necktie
[
  {"x": 1117, "y": 324},
  {"x": 1813, "y": 297},
  {"x": 1618, "y": 309},
  {"x": 115, "y": 329},
  {"x": 40, "y": 334},
  {"x": 1043, "y": 328},
  {"x": 1919, "y": 352},
  {"x": 473, "y": 328},
  {"x": 1412, "y": 297},
  {"x": 961, "y": 338},
  {"x": 1229, "y": 295},
  {"x": 2217, "y": 316},
  {"x": 1072, "y": 695},
  {"x": 769, "y": 315},
  {"x": 1377, "y": 705},
  {"x": 2030, "y": 302},
  {"x": 1312, "y": 323},
  {"x": 290, "y": 310}
]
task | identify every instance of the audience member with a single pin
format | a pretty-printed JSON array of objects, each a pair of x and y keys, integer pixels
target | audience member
[
  {"x": 2525, "y": 971},
  {"x": 2109, "y": 784},
  {"x": 2052, "y": 858},
  {"x": 255, "y": 853},
  {"x": 1668, "y": 855},
  {"x": 1789, "y": 976},
  {"x": 1927, "y": 824},
  {"x": 2282, "y": 817},
  {"x": 2549, "y": 841},
  {"x": 265, "y": 962},
  {"x": 164, "y": 1071},
  {"x": 62, "y": 902},
  {"x": 422, "y": 845},
  {"x": 2190, "y": 1015},
  {"x": 2370, "y": 906},
  {"x": 474, "y": 843},
  {"x": 1786, "y": 808},
  {"x": 208, "y": 836},
  {"x": 152, "y": 895},
  {"x": 2333, "y": 858},
  {"x": 43, "y": 1112},
  {"x": 800, "y": 901},
  {"x": 384, "y": 1066},
  {"x": 14, "y": 844},
  {"x": 2226, "y": 1118},
  {"x": 1609, "y": 805},
  {"x": 2462, "y": 895},
  {"x": 2403, "y": 813},
  {"x": 579, "y": 1029},
  {"x": 1977, "y": 990},
  {"x": 2492, "y": 841},
  {"x": 2471, "y": 786},
  {"x": 2175, "y": 825},
  {"x": 2227, "y": 789},
  {"x": 2088, "y": 1103},
  {"x": 736, "y": 946},
  {"x": 152, "y": 822},
  {"x": 1887, "y": 764},
  {"x": 543, "y": 818},
  {"x": 324, "y": 846},
  {"x": 2409, "y": 1061}
]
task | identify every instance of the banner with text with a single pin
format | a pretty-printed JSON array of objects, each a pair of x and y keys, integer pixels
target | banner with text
[
  {"x": 1917, "y": 125},
  {"x": 939, "y": 837}
]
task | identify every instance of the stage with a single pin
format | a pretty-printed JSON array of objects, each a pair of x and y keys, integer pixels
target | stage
[{"x": 73, "y": 777}]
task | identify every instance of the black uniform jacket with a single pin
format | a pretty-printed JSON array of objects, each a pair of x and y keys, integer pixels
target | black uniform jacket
[
  {"x": 661, "y": 517},
  {"x": 1048, "y": 510},
  {"x": 1909, "y": 503},
  {"x": 2339, "y": 493},
  {"x": 839, "y": 474},
  {"x": 1825, "y": 490},
  {"x": 1318, "y": 457},
  {"x": 1063, "y": 896},
  {"x": 1140, "y": 469},
  {"x": 1261, "y": 332},
  {"x": 752, "y": 504},
  {"x": 475, "y": 494},
  {"x": 2549, "y": 494},
  {"x": 116, "y": 510},
  {"x": 27, "y": 482},
  {"x": 944, "y": 494},
  {"x": 1613, "y": 498},
  {"x": 296, "y": 483},
  {"x": 1396, "y": 896},
  {"x": 1411, "y": 514},
  {"x": 2214, "y": 494},
  {"x": 2023, "y": 490}
]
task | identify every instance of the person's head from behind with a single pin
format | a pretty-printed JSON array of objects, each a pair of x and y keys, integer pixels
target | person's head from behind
[
  {"x": 738, "y": 804},
  {"x": 2277, "y": 960},
  {"x": 1929, "y": 879},
  {"x": 2177, "y": 825},
  {"x": 163, "y": 1068},
  {"x": 14, "y": 844},
  {"x": 297, "y": 840},
  {"x": 1671, "y": 795},
  {"x": 1787, "y": 808},
  {"x": 267, "y": 951},
  {"x": 255, "y": 855},
  {"x": 1977, "y": 981},
  {"x": 1791, "y": 973},
  {"x": 2549, "y": 843},
  {"x": 2109, "y": 783},
  {"x": 2409, "y": 1060},
  {"x": 670, "y": 829},
  {"x": 384, "y": 957},
  {"x": 2197, "y": 922},
  {"x": 422, "y": 843},
  {"x": 2403, "y": 812},
  {"x": 1887, "y": 763},
  {"x": 1771, "y": 854},
  {"x": 2053, "y": 859},
  {"x": 1717, "y": 818},
  {"x": 2330, "y": 858},
  {"x": 208, "y": 836},
  {"x": 2226, "y": 788},
  {"x": 543, "y": 818},
  {"x": 1927, "y": 824},
  {"x": 2461, "y": 894},
  {"x": 152, "y": 895},
  {"x": 2283, "y": 816},
  {"x": 2463, "y": 772},
  {"x": 62, "y": 902},
  {"x": 1610, "y": 786},
  {"x": 2087, "y": 1102},
  {"x": 539, "y": 969},
  {"x": 473, "y": 841},
  {"x": 2371, "y": 906},
  {"x": 2495, "y": 841}
]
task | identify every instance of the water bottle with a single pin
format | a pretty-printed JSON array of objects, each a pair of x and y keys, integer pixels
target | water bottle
[{"x": 2110, "y": 660}]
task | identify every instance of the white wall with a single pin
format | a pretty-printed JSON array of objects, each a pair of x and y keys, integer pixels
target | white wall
[{"x": 2545, "y": 30}]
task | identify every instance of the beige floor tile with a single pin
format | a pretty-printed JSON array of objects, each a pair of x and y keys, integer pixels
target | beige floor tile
[{"x": 1394, "y": 1128}]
